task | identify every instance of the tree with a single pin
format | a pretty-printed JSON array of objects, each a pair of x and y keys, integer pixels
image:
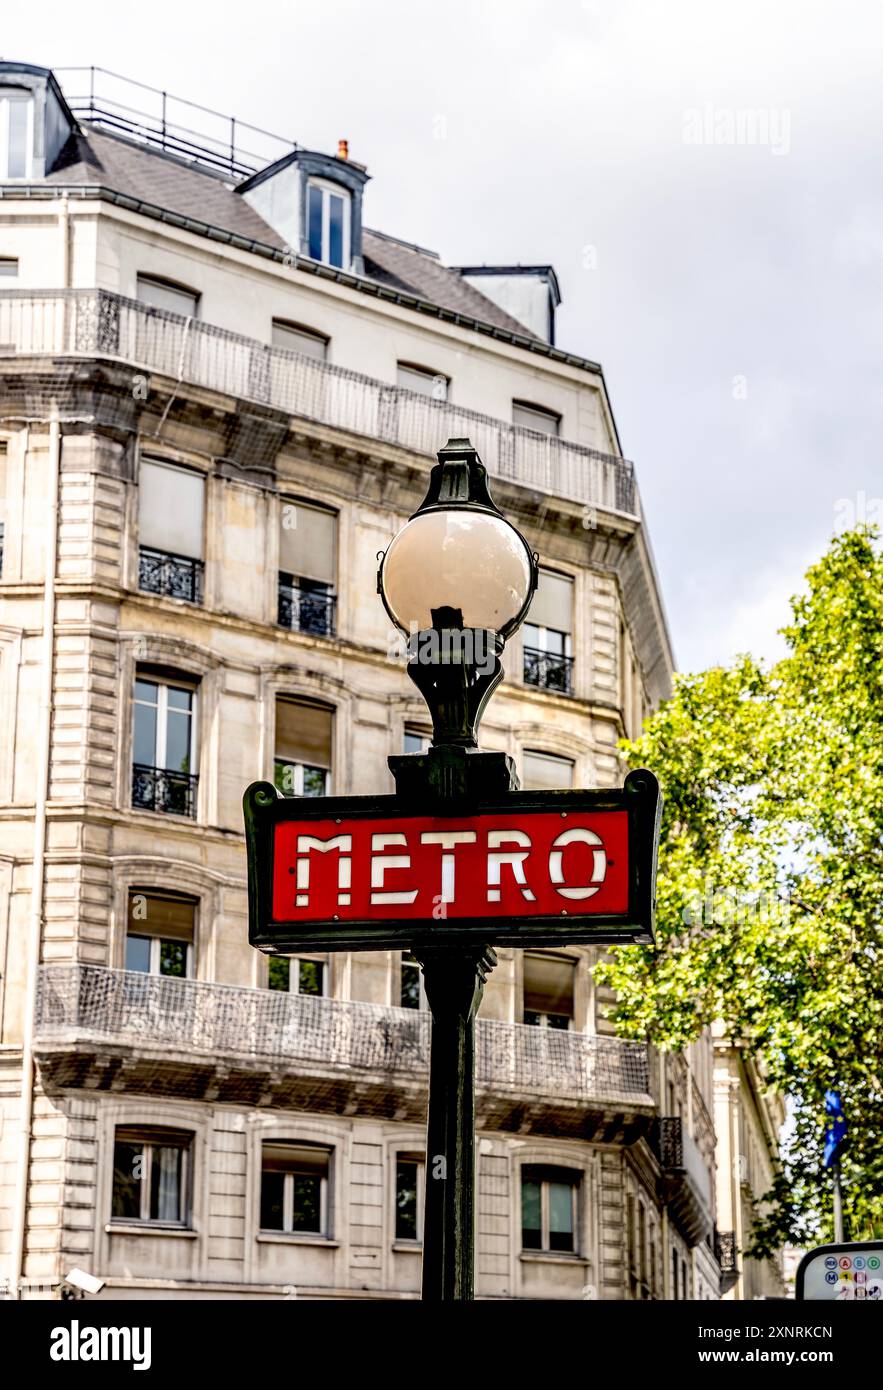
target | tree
[{"x": 770, "y": 887}]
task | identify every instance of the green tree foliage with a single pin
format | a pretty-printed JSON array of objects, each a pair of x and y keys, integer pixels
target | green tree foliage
[{"x": 771, "y": 883}]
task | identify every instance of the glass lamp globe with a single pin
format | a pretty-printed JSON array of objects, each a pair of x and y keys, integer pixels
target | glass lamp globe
[{"x": 463, "y": 558}]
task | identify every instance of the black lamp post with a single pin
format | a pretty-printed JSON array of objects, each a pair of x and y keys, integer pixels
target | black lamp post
[{"x": 458, "y": 580}]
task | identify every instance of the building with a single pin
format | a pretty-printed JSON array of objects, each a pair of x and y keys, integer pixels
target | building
[
  {"x": 221, "y": 395},
  {"x": 748, "y": 1119}
]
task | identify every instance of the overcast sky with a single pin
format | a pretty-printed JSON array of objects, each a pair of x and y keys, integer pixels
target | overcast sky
[{"x": 707, "y": 180}]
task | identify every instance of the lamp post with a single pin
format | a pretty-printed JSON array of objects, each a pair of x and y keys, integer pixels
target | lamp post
[{"x": 458, "y": 580}]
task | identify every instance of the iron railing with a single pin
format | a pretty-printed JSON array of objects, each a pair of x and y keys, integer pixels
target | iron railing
[
  {"x": 90, "y": 1003},
  {"x": 725, "y": 1251},
  {"x": 548, "y": 671},
  {"x": 160, "y": 789},
  {"x": 304, "y": 609},
  {"x": 91, "y": 323},
  {"x": 174, "y": 576},
  {"x": 677, "y": 1150}
]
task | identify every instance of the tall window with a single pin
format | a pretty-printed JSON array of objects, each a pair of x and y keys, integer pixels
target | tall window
[
  {"x": 411, "y": 992},
  {"x": 298, "y": 974},
  {"x": 171, "y": 510},
  {"x": 548, "y": 659},
  {"x": 546, "y": 772},
  {"x": 422, "y": 380},
  {"x": 535, "y": 417},
  {"x": 294, "y": 1188},
  {"x": 328, "y": 223},
  {"x": 307, "y": 569},
  {"x": 409, "y": 1176},
  {"x": 164, "y": 746},
  {"x": 166, "y": 294},
  {"x": 151, "y": 1176},
  {"x": 416, "y": 740},
  {"x": 303, "y": 748},
  {"x": 295, "y": 337},
  {"x": 16, "y": 134},
  {"x": 159, "y": 933},
  {"x": 548, "y": 1208},
  {"x": 548, "y": 991},
  {"x": 2, "y": 500}
]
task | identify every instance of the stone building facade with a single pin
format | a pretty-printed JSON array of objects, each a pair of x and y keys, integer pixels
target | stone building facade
[{"x": 221, "y": 396}]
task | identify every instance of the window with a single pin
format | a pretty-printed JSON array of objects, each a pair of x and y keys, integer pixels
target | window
[
  {"x": 295, "y": 338},
  {"x": 166, "y": 294},
  {"x": 294, "y": 1188},
  {"x": 422, "y": 380},
  {"x": 535, "y": 417},
  {"x": 16, "y": 134},
  {"x": 548, "y": 661},
  {"x": 546, "y": 772},
  {"x": 159, "y": 933},
  {"x": 151, "y": 1176},
  {"x": 416, "y": 740},
  {"x": 303, "y": 748},
  {"x": 171, "y": 507},
  {"x": 410, "y": 1169},
  {"x": 548, "y": 991},
  {"x": 164, "y": 746},
  {"x": 328, "y": 223},
  {"x": 298, "y": 974},
  {"x": 548, "y": 1208},
  {"x": 307, "y": 569},
  {"x": 2, "y": 501},
  {"x": 411, "y": 992},
  {"x": 8, "y": 267}
]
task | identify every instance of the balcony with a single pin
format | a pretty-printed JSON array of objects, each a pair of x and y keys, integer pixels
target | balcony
[
  {"x": 96, "y": 323},
  {"x": 306, "y": 609},
  {"x": 686, "y": 1178},
  {"x": 160, "y": 789},
  {"x": 548, "y": 671},
  {"x": 120, "y": 1029},
  {"x": 174, "y": 576}
]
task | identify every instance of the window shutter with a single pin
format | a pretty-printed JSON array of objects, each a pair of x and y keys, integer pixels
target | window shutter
[
  {"x": 168, "y": 918},
  {"x": 302, "y": 340},
  {"x": 171, "y": 509},
  {"x": 306, "y": 542},
  {"x": 544, "y": 772},
  {"x": 534, "y": 417},
  {"x": 173, "y": 298},
  {"x": 303, "y": 733},
  {"x": 295, "y": 1158},
  {"x": 548, "y": 985},
  {"x": 552, "y": 604}
]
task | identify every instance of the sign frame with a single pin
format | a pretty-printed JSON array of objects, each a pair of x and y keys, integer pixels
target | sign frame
[
  {"x": 264, "y": 808},
  {"x": 837, "y": 1248}
]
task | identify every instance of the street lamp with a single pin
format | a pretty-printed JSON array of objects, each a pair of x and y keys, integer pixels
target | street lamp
[{"x": 458, "y": 580}]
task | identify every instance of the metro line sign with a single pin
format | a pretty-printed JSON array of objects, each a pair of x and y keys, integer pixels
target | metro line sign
[{"x": 535, "y": 868}]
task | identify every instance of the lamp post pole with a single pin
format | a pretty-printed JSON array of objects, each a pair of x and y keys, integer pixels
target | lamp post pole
[{"x": 456, "y": 637}]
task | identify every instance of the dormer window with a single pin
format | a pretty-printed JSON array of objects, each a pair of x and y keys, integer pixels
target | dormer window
[
  {"x": 16, "y": 134},
  {"x": 328, "y": 223}
]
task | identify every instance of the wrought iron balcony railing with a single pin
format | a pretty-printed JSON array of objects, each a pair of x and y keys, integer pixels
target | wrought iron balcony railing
[
  {"x": 725, "y": 1251},
  {"x": 94, "y": 1004},
  {"x": 96, "y": 323},
  {"x": 175, "y": 576},
  {"x": 678, "y": 1152},
  {"x": 548, "y": 671},
  {"x": 160, "y": 789},
  {"x": 304, "y": 609}
]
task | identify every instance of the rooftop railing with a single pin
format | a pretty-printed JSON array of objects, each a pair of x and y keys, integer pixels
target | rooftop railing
[
  {"x": 93, "y": 1004},
  {"x": 96, "y": 323}
]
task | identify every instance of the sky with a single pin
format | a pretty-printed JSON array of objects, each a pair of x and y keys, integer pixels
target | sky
[{"x": 706, "y": 179}]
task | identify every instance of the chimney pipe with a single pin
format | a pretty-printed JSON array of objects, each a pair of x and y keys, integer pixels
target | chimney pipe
[{"x": 343, "y": 149}]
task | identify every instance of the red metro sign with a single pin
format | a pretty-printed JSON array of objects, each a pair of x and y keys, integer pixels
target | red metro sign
[{"x": 358, "y": 873}]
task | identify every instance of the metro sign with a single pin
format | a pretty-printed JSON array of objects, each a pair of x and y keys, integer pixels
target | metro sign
[{"x": 536, "y": 868}]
